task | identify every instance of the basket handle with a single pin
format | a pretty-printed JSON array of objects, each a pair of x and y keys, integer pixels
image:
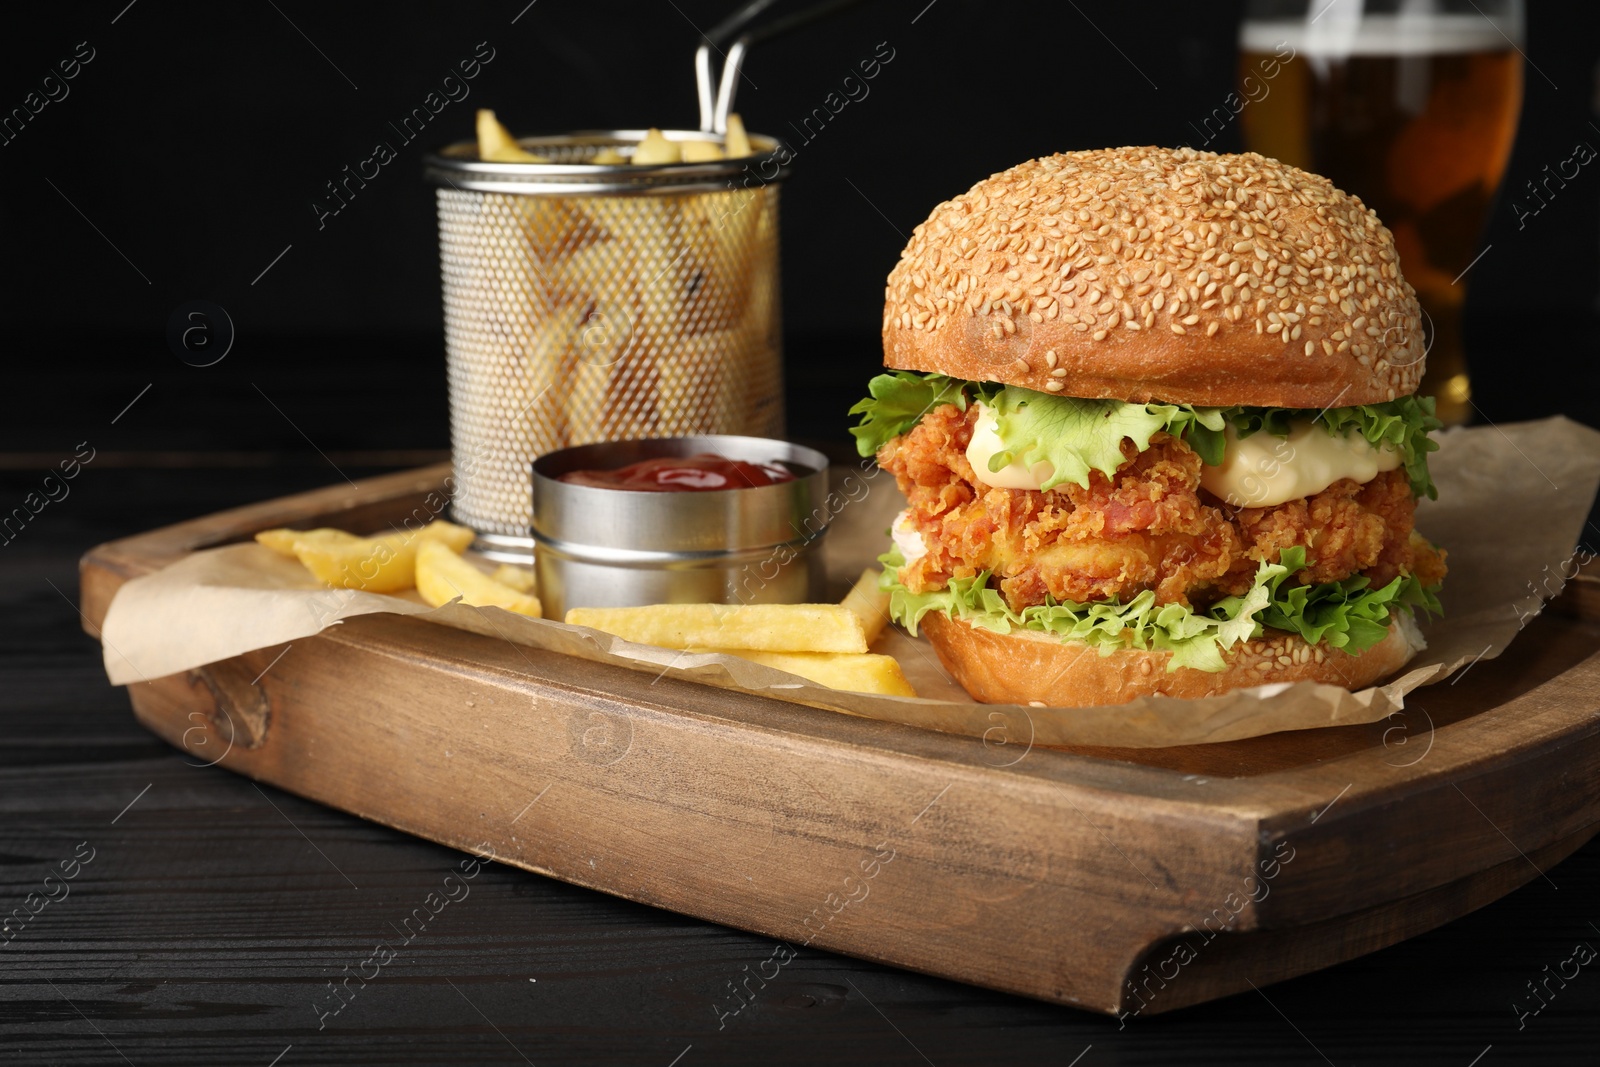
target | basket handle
[{"x": 717, "y": 101}]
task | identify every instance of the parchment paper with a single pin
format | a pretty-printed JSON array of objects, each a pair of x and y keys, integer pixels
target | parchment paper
[{"x": 1512, "y": 503}]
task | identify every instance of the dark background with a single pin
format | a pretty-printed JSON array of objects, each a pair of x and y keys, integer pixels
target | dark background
[
  {"x": 186, "y": 159},
  {"x": 197, "y": 139}
]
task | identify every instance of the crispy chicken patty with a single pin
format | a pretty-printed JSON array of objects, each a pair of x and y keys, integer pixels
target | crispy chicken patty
[{"x": 1150, "y": 527}]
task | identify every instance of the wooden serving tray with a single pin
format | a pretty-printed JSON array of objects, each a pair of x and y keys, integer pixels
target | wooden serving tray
[{"x": 1123, "y": 881}]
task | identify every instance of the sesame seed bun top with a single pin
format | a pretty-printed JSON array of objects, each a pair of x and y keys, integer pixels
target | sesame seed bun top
[{"x": 1159, "y": 274}]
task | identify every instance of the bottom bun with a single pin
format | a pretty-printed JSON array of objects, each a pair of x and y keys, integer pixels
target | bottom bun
[{"x": 1025, "y": 667}]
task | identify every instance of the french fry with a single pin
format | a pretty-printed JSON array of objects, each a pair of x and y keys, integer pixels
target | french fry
[
  {"x": 517, "y": 386},
  {"x": 496, "y": 145},
  {"x": 750, "y": 391},
  {"x": 754, "y": 392},
  {"x": 586, "y": 271},
  {"x": 281, "y": 540},
  {"x": 376, "y": 565},
  {"x": 709, "y": 381},
  {"x": 860, "y": 673},
  {"x": 700, "y": 151},
  {"x": 764, "y": 275},
  {"x": 737, "y": 143},
  {"x": 870, "y": 603},
  {"x": 456, "y": 538},
  {"x": 714, "y": 276},
  {"x": 753, "y": 627},
  {"x": 674, "y": 380},
  {"x": 576, "y": 274},
  {"x": 690, "y": 370},
  {"x": 519, "y": 578},
  {"x": 585, "y": 403},
  {"x": 384, "y": 564},
  {"x": 599, "y": 390},
  {"x": 441, "y": 576},
  {"x": 630, "y": 405},
  {"x": 544, "y": 375},
  {"x": 613, "y": 401},
  {"x": 643, "y": 309},
  {"x": 655, "y": 148},
  {"x": 554, "y": 227},
  {"x": 530, "y": 337}
]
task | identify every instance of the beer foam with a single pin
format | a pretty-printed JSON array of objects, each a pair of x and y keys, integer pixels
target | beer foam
[{"x": 1350, "y": 33}]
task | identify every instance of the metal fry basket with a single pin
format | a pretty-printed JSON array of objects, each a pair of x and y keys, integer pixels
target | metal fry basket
[{"x": 590, "y": 302}]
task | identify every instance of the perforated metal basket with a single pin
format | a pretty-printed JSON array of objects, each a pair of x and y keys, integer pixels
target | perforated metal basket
[{"x": 589, "y": 302}]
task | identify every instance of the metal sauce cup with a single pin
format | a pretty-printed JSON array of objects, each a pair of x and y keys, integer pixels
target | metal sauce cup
[{"x": 622, "y": 548}]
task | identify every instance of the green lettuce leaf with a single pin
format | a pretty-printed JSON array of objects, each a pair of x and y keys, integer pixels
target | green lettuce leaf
[
  {"x": 1346, "y": 615},
  {"x": 898, "y": 401},
  {"x": 1403, "y": 423},
  {"x": 1077, "y": 436},
  {"x": 1205, "y": 433}
]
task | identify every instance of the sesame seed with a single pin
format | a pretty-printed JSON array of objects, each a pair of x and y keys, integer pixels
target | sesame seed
[
  {"x": 1053, "y": 385},
  {"x": 1240, "y": 235}
]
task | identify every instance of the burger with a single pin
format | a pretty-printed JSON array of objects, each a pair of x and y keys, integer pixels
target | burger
[{"x": 1154, "y": 414}]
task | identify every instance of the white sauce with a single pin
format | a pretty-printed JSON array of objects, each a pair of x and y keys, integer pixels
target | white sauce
[
  {"x": 908, "y": 539},
  {"x": 1263, "y": 470},
  {"x": 985, "y": 443}
]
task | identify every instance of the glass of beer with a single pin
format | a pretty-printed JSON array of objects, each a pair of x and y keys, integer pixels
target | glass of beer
[{"x": 1411, "y": 105}]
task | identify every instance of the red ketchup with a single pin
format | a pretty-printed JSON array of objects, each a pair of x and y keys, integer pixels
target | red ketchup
[{"x": 683, "y": 474}]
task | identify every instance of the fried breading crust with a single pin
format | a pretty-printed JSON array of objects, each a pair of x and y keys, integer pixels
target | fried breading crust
[{"x": 1149, "y": 527}]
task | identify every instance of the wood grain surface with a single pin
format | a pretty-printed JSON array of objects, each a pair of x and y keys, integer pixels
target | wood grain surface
[{"x": 891, "y": 843}]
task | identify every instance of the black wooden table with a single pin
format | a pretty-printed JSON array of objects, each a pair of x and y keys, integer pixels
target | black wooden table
[{"x": 207, "y": 916}]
